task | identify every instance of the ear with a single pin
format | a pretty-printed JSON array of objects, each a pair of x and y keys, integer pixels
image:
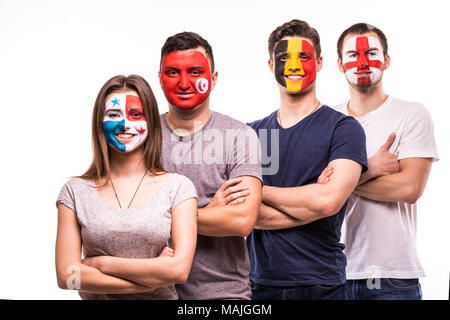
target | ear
[
  {"x": 340, "y": 65},
  {"x": 319, "y": 64},
  {"x": 214, "y": 77},
  {"x": 270, "y": 62},
  {"x": 159, "y": 76},
  {"x": 387, "y": 62}
]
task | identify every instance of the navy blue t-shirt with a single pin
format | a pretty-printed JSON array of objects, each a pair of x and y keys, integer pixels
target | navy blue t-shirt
[{"x": 308, "y": 254}]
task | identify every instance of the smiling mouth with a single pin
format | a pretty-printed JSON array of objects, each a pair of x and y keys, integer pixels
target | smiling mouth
[
  {"x": 185, "y": 95},
  {"x": 124, "y": 136},
  {"x": 294, "y": 77}
]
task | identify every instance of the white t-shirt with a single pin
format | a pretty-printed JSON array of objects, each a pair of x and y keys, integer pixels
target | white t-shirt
[{"x": 380, "y": 237}]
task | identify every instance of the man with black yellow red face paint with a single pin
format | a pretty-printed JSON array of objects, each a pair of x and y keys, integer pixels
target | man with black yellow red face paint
[
  {"x": 295, "y": 64},
  {"x": 379, "y": 231},
  {"x": 222, "y": 157},
  {"x": 294, "y": 249}
]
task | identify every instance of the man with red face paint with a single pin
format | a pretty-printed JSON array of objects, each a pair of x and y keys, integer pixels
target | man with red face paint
[
  {"x": 379, "y": 230},
  {"x": 222, "y": 158},
  {"x": 294, "y": 250}
]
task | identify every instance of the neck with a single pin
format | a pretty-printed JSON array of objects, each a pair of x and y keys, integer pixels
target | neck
[
  {"x": 293, "y": 108},
  {"x": 190, "y": 120},
  {"x": 363, "y": 102},
  {"x": 129, "y": 164}
]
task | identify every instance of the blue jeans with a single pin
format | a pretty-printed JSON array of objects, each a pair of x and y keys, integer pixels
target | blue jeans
[
  {"x": 312, "y": 292},
  {"x": 384, "y": 289}
]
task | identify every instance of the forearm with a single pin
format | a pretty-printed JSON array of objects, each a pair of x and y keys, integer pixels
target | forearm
[
  {"x": 90, "y": 280},
  {"x": 154, "y": 272},
  {"x": 306, "y": 203},
  {"x": 270, "y": 218},
  {"x": 226, "y": 220},
  {"x": 404, "y": 186},
  {"x": 391, "y": 188}
]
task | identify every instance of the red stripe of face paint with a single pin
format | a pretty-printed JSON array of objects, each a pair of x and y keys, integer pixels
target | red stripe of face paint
[
  {"x": 133, "y": 104},
  {"x": 363, "y": 62}
]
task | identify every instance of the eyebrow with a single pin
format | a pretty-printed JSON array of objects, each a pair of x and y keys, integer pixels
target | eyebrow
[
  {"x": 193, "y": 67},
  {"x": 369, "y": 49},
  {"x": 287, "y": 52}
]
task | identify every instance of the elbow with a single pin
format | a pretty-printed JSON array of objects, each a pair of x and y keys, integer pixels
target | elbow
[
  {"x": 246, "y": 225},
  {"x": 181, "y": 273},
  {"x": 69, "y": 278},
  {"x": 330, "y": 207},
  {"x": 63, "y": 280},
  {"x": 61, "y": 283},
  {"x": 412, "y": 194}
]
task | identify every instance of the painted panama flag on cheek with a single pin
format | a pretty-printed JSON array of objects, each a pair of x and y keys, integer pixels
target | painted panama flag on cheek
[
  {"x": 363, "y": 60},
  {"x": 295, "y": 64},
  {"x": 124, "y": 123}
]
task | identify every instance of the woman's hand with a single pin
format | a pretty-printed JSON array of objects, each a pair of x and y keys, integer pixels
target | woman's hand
[{"x": 94, "y": 262}]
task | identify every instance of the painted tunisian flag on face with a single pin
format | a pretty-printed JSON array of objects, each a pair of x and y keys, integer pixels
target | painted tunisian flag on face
[{"x": 363, "y": 60}]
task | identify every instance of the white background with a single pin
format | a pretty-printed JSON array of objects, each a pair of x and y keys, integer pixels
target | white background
[{"x": 56, "y": 55}]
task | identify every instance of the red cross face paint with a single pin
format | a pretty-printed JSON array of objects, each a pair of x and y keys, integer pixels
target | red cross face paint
[
  {"x": 363, "y": 61},
  {"x": 186, "y": 78},
  {"x": 124, "y": 122},
  {"x": 295, "y": 64}
]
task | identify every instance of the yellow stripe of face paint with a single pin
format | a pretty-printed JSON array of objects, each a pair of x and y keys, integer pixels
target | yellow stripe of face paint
[{"x": 293, "y": 64}]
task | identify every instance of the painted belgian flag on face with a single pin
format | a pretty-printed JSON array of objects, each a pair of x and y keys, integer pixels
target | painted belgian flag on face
[{"x": 295, "y": 64}]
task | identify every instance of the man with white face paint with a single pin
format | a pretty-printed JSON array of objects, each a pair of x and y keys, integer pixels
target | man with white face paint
[{"x": 379, "y": 230}]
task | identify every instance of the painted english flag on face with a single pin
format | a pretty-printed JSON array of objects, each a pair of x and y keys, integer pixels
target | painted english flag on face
[
  {"x": 363, "y": 60},
  {"x": 124, "y": 124}
]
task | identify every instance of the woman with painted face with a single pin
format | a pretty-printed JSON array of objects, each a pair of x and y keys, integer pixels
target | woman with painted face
[{"x": 135, "y": 223}]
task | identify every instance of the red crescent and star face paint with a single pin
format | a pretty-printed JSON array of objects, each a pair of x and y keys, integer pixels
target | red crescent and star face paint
[
  {"x": 295, "y": 64},
  {"x": 363, "y": 60},
  {"x": 186, "y": 78},
  {"x": 124, "y": 123}
]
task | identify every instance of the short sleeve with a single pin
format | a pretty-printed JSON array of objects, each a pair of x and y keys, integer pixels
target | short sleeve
[
  {"x": 417, "y": 138},
  {"x": 349, "y": 142},
  {"x": 245, "y": 159},
  {"x": 66, "y": 197},
  {"x": 185, "y": 190}
]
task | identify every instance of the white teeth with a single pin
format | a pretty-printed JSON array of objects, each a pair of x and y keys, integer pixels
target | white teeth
[
  {"x": 124, "y": 135},
  {"x": 296, "y": 77}
]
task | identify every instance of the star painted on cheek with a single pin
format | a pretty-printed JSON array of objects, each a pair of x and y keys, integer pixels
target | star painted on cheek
[
  {"x": 141, "y": 131},
  {"x": 116, "y": 102}
]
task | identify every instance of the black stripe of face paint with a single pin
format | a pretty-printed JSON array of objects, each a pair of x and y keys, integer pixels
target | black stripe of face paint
[{"x": 281, "y": 47}]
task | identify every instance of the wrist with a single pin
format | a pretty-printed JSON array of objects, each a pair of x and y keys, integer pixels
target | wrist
[{"x": 372, "y": 171}]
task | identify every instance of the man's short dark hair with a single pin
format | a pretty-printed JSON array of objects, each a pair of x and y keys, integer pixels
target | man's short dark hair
[
  {"x": 297, "y": 28},
  {"x": 186, "y": 41},
  {"x": 362, "y": 28}
]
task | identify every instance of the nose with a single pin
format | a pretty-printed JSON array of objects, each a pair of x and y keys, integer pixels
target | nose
[
  {"x": 124, "y": 125},
  {"x": 184, "y": 83},
  {"x": 294, "y": 64},
  {"x": 363, "y": 61}
]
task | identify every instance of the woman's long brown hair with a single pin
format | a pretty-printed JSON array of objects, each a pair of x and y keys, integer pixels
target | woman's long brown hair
[{"x": 100, "y": 166}]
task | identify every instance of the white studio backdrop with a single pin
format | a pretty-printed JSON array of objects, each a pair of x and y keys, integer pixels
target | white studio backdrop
[{"x": 56, "y": 55}]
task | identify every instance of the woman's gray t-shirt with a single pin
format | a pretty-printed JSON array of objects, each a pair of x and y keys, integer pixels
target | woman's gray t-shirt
[{"x": 129, "y": 233}]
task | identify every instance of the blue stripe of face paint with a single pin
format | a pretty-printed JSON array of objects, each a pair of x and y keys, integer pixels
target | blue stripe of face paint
[{"x": 110, "y": 128}]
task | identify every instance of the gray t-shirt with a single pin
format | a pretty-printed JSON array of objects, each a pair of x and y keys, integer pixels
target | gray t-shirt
[
  {"x": 223, "y": 149},
  {"x": 129, "y": 233}
]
